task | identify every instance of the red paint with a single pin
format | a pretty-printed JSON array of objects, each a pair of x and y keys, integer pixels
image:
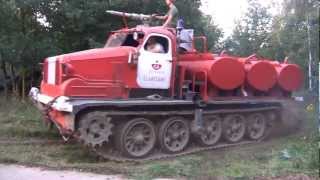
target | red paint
[
  {"x": 59, "y": 118},
  {"x": 195, "y": 56},
  {"x": 226, "y": 73},
  {"x": 290, "y": 77},
  {"x": 80, "y": 88},
  {"x": 260, "y": 74}
]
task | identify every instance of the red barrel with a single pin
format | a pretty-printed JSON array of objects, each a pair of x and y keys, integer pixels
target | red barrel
[
  {"x": 261, "y": 75},
  {"x": 226, "y": 73},
  {"x": 290, "y": 76}
]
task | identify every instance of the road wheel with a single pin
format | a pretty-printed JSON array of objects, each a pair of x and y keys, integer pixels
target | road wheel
[
  {"x": 174, "y": 134},
  {"x": 256, "y": 126},
  {"x": 137, "y": 137},
  {"x": 212, "y": 130},
  {"x": 234, "y": 127}
]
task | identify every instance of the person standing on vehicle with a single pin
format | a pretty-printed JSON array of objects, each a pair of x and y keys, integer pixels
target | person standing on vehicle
[{"x": 172, "y": 15}]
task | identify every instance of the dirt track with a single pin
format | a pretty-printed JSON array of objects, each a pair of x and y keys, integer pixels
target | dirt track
[{"x": 15, "y": 172}]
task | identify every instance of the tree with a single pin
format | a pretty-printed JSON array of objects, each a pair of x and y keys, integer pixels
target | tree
[
  {"x": 297, "y": 32},
  {"x": 24, "y": 42},
  {"x": 202, "y": 24},
  {"x": 294, "y": 34},
  {"x": 6, "y": 29},
  {"x": 251, "y": 32},
  {"x": 72, "y": 19}
]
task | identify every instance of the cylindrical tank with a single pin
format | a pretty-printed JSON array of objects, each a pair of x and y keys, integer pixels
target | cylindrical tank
[
  {"x": 290, "y": 76},
  {"x": 260, "y": 74},
  {"x": 226, "y": 73}
]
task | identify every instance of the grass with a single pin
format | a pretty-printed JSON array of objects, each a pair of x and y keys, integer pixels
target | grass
[
  {"x": 187, "y": 166},
  {"x": 242, "y": 162},
  {"x": 22, "y": 121}
]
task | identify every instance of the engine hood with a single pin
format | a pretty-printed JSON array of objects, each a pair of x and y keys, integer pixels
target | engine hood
[{"x": 100, "y": 53}]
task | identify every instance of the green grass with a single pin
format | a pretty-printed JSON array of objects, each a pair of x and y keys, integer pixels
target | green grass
[
  {"x": 241, "y": 162},
  {"x": 22, "y": 121},
  {"x": 187, "y": 166}
]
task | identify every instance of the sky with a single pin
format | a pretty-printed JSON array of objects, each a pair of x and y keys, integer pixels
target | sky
[{"x": 226, "y": 12}]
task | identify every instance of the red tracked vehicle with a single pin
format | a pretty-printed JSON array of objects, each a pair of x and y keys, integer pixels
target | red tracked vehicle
[{"x": 128, "y": 103}]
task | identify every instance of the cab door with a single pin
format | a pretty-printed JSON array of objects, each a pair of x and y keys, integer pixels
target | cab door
[{"x": 155, "y": 68}]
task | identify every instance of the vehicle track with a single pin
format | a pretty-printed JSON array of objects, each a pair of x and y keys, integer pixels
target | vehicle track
[{"x": 114, "y": 155}]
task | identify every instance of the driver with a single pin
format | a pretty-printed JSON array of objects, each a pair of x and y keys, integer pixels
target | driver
[
  {"x": 154, "y": 46},
  {"x": 171, "y": 16}
]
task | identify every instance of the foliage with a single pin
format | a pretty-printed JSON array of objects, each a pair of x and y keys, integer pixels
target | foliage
[
  {"x": 24, "y": 41},
  {"x": 281, "y": 36},
  {"x": 292, "y": 33},
  {"x": 251, "y": 32}
]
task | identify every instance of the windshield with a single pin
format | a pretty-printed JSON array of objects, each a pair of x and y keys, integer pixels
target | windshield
[
  {"x": 123, "y": 39},
  {"x": 116, "y": 39}
]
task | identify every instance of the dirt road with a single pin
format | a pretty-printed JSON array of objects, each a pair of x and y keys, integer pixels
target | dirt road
[{"x": 15, "y": 172}]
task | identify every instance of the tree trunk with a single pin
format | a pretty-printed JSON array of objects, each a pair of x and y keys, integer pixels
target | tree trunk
[
  {"x": 5, "y": 84},
  {"x": 13, "y": 80},
  {"x": 310, "y": 62},
  {"x": 32, "y": 78},
  {"x": 4, "y": 69},
  {"x": 5, "y": 74},
  {"x": 23, "y": 87}
]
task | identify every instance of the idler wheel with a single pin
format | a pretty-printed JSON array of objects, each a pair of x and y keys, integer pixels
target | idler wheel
[
  {"x": 174, "y": 135},
  {"x": 137, "y": 138},
  {"x": 212, "y": 130},
  {"x": 256, "y": 126},
  {"x": 234, "y": 127}
]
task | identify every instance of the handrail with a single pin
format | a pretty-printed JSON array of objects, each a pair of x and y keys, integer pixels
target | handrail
[{"x": 204, "y": 40}]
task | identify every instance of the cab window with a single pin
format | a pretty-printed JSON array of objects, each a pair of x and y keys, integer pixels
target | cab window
[{"x": 157, "y": 44}]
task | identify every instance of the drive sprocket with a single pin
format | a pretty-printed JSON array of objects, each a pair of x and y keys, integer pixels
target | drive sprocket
[{"x": 95, "y": 128}]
